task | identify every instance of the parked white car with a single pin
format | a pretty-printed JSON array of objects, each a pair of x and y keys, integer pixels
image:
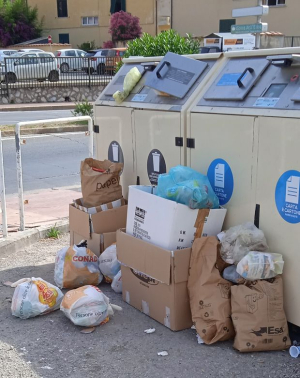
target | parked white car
[
  {"x": 32, "y": 65},
  {"x": 69, "y": 59},
  {"x": 6, "y": 54},
  {"x": 97, "y": 60}
]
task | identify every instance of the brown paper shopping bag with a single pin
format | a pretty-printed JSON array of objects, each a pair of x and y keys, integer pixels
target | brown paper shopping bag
[
  {"x": 209, "y": 292},
  {"x": 258, "y": 316},
  {"x": 100, "y": 182}
]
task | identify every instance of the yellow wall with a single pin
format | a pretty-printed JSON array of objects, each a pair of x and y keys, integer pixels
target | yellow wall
[
  {"x": 144, "y": 9},
  {"x": 201, "y": 17}
]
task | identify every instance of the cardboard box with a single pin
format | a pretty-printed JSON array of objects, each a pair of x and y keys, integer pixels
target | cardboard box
[
  {"x": 155, "y": 280},
  {"x": 78, "y": 203},
  {"x": 98, "y": 229},
  {"x": 166, "y": 223}
]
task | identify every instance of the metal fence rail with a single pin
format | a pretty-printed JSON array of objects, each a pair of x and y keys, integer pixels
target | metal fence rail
[
  {"x": 35, "y": 72},
  {"x": 19, "y": 158}
]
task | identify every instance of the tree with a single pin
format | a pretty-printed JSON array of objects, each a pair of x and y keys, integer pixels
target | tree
[
  {"x": 18, "y": 22},
  {"x": 124, "y": 26}
]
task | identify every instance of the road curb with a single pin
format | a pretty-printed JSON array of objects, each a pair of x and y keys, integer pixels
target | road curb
[
  {"x": 46, "y": 130},
  {"x": 24, "y": 239},
  {"x": 39, "y": 106}
]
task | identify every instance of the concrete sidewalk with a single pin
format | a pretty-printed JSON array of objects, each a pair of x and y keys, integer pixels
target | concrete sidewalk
[
  {"x": 37, "y": 106},
  {"x": 43, "y": 207}
]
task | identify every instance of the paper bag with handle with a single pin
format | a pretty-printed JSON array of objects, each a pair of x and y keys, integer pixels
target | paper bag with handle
[
  {"x": 258, "y": 316},
  {"x": 100, "y": 182},
  {"x": 209, "y": 292}
]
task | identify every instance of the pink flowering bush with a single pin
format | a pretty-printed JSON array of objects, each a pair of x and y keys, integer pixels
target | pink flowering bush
[
  {"x": 124, "y": 26},
  {"x": 108, "y": 45}
]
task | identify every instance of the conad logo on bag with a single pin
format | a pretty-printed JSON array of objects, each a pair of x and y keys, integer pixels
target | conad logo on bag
[
  {"x": 144, "y": 278},
  {"x": 47, "y": 295},
  {"x": 85, "y": 258},
  {"x": 108, "y": 183}
]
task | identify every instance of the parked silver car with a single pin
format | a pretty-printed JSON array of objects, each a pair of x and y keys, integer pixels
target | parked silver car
[
  {"x": 97, "y": 60},
  {"x": 70, "y": 59},
  {"x": 6, "y": 54},
  {"x": 32, "y": 65}
]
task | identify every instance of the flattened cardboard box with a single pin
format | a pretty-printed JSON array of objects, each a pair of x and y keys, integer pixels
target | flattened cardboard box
[
  {"x": 166, "y": 223},
  {"x": 155, "y": 280},
  {"x": 105, "y": 224}
]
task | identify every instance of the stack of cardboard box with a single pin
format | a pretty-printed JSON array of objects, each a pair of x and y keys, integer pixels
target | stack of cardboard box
[{"x": 155, "y": 254}]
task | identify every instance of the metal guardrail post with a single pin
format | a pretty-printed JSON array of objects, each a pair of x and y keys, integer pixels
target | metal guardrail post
[
  {"x": 2, "y": 192},
  {"x": 89, "y": 72},
  {"x": 90, "y": 133}
]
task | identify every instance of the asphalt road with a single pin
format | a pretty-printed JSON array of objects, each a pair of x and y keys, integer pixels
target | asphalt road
[
  {"x": 50, "y": 346},
  {"x": 10, "y": 118},
  {"x": 48, "y": 161}
]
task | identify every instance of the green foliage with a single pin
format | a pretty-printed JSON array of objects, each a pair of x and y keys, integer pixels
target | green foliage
[
  {"x": 164, "y": 42},
  {"x": 159, "y": 45},
  {"x": 86, "y": 46},
  {"x": 53, "y": 233},
  {"x": 83, "y": 109},
  {"x": 18, "y": 22}
]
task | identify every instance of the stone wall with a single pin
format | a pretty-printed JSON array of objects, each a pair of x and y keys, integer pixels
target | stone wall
[{"x": 51, "y": 94}]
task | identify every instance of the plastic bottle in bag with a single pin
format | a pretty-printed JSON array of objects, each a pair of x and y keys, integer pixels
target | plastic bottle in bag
[
  {"x": 230, "y": 274},
  {"x": 260, "y": 266}
]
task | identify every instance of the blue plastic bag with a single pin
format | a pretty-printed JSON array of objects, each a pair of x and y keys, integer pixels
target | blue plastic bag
[{"x": 186, "y": 186}]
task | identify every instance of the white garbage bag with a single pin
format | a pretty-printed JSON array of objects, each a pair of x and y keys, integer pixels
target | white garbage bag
[
  {"x": 87, "y": 306},
  {"x": 109, "y": 264},
  {"x": 76, "y": 266},
  {"x": 33, "y": 297},
  {"x": 116, "y": 285},
  {"x": 260, "y": 266}
]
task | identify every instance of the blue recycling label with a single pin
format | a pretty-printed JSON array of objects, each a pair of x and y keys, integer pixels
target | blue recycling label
[
  {"x": 229, "y": 80},
  {"x": 221, "y": 179},
  {"x": 287, "y": 196}
]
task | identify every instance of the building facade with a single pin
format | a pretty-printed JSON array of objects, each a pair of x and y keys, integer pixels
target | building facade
[
  {"x": 77, "y": 21},
  {"x": 203, "y": 17}
]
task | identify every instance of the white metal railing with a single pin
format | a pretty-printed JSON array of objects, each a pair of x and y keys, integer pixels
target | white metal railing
[
  {"x": 2, "y": 191},
  {"x": 19, "y": 159}
]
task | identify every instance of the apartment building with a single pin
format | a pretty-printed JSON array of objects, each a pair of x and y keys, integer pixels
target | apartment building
[
  {"x": 202, "y": 17},
  {"x": 77, "y": 21}
]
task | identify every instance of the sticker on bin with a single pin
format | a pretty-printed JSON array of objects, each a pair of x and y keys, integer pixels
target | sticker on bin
[
  {"x": 221, "y": 179},
  {"x": 156, "y": 165},
  {"x": 287, "y": 196},
  {"x": 115, "y": 153}
]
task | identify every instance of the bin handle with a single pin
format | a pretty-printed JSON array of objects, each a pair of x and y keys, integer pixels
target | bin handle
[
  {"x": 239, "y": 80},
  {"x": 165, "y": 63}
]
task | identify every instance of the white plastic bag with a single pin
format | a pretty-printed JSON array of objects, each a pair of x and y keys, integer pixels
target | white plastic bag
[
  {"x": 130, "y": 81},
  {"x": 240, "y": 240},
  {"x": 87, "y": 306},
  {"x": 33, "y": 297},
  {"x": 109, "y": 264},
  {"x": 116, "y": 285},
  {"x": 76, "y": 266},
  {"x": 260, "y": 266}
]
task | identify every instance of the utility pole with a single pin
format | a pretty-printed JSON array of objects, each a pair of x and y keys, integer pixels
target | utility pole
[{"x": 259, "y": 19}]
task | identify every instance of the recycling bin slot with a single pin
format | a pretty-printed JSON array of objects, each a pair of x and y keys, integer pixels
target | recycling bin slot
[
  {"x": 237, "y": 79},
  {"x": 175, "y": 75}
]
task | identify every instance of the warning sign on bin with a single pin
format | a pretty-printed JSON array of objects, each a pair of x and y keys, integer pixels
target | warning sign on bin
[{"x": 287, "y": 196}]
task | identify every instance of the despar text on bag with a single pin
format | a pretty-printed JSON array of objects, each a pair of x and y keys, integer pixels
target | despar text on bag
[{"x": 100, "y": 182}]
